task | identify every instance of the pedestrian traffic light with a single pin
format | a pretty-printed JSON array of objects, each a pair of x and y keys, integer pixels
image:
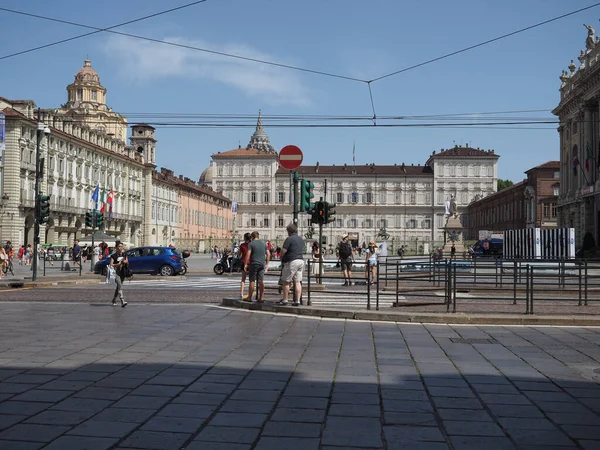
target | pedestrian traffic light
[
  {"x": 330, "y": 214},
  {"x": 89, "y": 219},
  {"x": 306, "y": 195},
  {"x": 43, "y": 208},
  {"x": 99, "y": 219},
  {"x": 320, "y": 211}
]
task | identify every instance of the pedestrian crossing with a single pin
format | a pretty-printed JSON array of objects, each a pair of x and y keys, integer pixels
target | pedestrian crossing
[{"x": 326, "y": 299}]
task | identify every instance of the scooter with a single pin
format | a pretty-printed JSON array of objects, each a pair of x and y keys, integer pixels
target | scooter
[
  {"x": 184, "y": 255},
  {"x": 224, "y": 265}
]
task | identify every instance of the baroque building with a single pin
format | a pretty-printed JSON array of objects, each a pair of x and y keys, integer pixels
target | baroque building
[
  {"x": 579, "y": 134},
  {"x": 86, "y": 147},
  {"x": 406, "y": 202}
]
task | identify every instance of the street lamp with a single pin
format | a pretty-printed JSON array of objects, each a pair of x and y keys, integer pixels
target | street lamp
[{"x": 42, "y": 130}]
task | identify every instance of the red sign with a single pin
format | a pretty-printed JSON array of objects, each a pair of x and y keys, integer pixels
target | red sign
[{"x": 290, "y": 157}]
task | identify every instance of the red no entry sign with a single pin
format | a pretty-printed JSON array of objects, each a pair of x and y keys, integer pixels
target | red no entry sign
[{"x": 290, "y": 157}]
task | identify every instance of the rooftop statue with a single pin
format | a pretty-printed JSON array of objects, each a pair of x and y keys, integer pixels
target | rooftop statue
[{"x": 590, "y": 42}]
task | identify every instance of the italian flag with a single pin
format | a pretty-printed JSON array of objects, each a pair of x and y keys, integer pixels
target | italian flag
[{"x": 102, "y": 200}]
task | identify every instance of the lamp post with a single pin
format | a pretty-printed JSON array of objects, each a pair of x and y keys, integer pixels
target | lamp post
[{"x": 41, "y": 131}]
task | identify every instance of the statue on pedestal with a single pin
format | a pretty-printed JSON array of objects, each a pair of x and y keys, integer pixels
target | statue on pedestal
[{"x": 451, "y": 210}]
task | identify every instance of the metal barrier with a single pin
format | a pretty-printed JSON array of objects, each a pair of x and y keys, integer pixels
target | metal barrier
[{"x": 490, "y": 284}]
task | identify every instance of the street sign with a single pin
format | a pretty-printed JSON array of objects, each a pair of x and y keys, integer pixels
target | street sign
[{"x": 290, "y": 157}]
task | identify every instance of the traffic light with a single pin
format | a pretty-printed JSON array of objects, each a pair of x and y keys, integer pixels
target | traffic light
[
  {"x": 89, "y": 219},
  {"x": 320, "y": 211},
  {"x": 44, "y": 208},
  {"x": 330, "y": 214},
  {"x": 306, "y": 195},
  {"x": 99, "y": 219}
]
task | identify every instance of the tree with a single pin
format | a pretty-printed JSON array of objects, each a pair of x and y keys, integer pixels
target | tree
[{"x": 502, "y": 184}]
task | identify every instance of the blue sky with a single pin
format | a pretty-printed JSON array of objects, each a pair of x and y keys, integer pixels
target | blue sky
[{"x": 348, "y": 37}]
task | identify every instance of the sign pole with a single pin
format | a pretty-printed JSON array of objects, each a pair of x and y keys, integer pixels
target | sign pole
[{"x": 296, "y": 198}]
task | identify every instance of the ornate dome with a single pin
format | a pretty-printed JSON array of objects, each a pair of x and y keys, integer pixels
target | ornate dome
[
  {"x": 207, "y": 176},
  {"x": 87, "y": 74}
]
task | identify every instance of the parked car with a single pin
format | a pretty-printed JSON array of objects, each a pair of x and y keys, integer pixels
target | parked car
[{"x": 165, "y": 261}]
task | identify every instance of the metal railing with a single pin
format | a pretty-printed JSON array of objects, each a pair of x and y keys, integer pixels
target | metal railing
[
  {"x": 482, "y": 284},
  {"x": 60, "y": 263}
]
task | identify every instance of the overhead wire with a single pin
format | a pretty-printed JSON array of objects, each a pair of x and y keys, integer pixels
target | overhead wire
[
  {"x": 159, "y": 41},
  {"x": 97, "y": 30},
  {"x": 489, "y": 41}
]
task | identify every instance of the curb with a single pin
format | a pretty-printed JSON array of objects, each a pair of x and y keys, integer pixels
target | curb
[
  {"x": 441, "y": 318},
  {"x": 27, "y": 283}
]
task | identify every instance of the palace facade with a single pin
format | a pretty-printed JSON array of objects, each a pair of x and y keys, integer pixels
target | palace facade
[
  {"x": 579, "y": 134},
  {"x": 405, "y": 202}
]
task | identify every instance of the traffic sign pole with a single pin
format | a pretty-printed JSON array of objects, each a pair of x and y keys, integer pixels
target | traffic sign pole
[{"x": 296, "y": 198}]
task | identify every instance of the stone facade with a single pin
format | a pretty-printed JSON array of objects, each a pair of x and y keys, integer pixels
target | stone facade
[
  {"x": 579, "y": 131},
  {"x": 86, "y": 147},
  {"x": 407, "y": 202},
  {"x": 531, "y": 203}
]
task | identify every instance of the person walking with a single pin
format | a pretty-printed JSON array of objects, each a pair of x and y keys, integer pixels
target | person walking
[
  {"x": 76, "y": 253},
  {"x": 371, "y": 261},
  {"x": 28, "y": 254},
  {"x": 51, "y": 254},
  {"x": 243, "y": 253},
  {"x": 453, "y": 252},
  {"x": 118, "y": 262},
  {"x": 346, "y": 258},
  {"x": 257, "y": 260},
  {"x": 21, "y": 254},
  {"x": 293, "y": 264},
  {"x": 3, "y": 262},
  {"x": 316, "y": 257}
]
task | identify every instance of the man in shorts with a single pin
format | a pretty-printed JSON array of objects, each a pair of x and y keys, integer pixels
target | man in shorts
[
  {"x": 346, "y": 259},
  {"x": 257, "y": 260},
  {"x": 293, "y": 263}
]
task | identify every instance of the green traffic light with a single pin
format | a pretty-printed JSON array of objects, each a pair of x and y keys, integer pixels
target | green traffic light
[
  {"x": 43, "y": 208},
  {"x": 306, "y": 195}
]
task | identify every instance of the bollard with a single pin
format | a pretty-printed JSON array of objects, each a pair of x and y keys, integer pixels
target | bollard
[
  {"x": 579, "y": 288},
  {"x": 531, "y": 292},
  {"x": 447, "y": 286}
]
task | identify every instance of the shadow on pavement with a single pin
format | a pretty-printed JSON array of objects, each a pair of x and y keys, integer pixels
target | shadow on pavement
[{"x": 194, "y": 377}]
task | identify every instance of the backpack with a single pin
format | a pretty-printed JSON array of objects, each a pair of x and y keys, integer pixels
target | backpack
[{"x": 345, "y": 250}]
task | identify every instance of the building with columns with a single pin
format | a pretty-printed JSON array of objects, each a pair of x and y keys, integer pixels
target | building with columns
[
  {"x": 579, "y": 134},
  {"x": 404, "y": 201},
  {"x": 87, "y": 147}
]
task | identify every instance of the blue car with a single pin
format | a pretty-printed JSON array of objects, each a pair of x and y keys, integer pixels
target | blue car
[{"x": 165, "y": 261}]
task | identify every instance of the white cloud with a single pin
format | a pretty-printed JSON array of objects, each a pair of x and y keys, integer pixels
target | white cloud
[{"x": 139, "y": 60}]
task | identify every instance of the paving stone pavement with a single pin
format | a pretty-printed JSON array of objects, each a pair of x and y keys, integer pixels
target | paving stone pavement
[{"x": 80, "y": 376}]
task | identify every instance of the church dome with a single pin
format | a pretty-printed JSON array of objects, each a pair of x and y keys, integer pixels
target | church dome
[
  {"x": 87, "y": 74},
  {"x": 207, "y": 176}
]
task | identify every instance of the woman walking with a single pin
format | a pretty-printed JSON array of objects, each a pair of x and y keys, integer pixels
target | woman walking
[
  {"x": 316, "y": 256},
  {"x": 120, "y": 263}
]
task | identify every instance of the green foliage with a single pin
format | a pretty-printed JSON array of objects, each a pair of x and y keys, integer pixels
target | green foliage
[{"x": 502, "y": 184}]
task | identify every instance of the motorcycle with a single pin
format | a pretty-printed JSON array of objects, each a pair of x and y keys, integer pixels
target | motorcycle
[
  {"x": 226, "y": 262},
  {"x": 184, "y": 255}
]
